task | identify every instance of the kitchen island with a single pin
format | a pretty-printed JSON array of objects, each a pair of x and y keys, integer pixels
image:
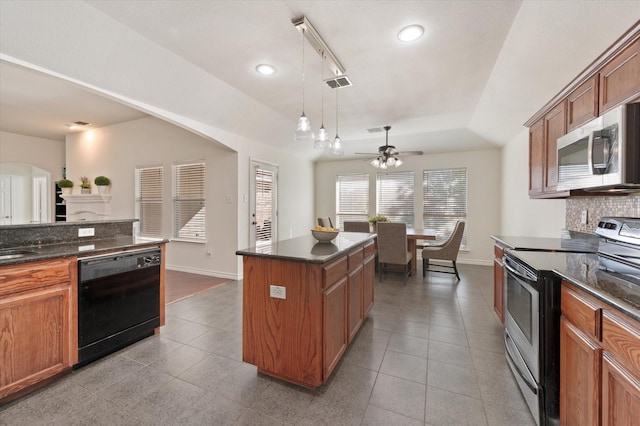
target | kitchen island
[{"x": 304, "y": 302}]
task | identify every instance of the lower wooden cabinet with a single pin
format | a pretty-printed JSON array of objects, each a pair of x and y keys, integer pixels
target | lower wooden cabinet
[
  {"x": 368, "y": 292},
  {"x": 335, "y": 335},
  {"x": 599, "y": 362},
  {"x": 38, "y": 332}
]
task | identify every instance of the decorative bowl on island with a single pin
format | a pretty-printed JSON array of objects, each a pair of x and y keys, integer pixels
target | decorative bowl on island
[{"x": 324, "y": 235}]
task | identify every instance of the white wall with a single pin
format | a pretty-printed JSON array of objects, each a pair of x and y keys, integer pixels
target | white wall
[
  {"x": 115, "y": 151},
  {"x": 522, "y": 216},
  {"x": 483, "y": 193},
  {"x": 45, "y": 154}
]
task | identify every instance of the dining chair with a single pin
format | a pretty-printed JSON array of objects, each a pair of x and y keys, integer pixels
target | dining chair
[
  {"x": 356, "y": 226},
  {"x": 325, "y": 221},
  {"x": 393, "y": 248},
  {"x": 446, "y": 251}
]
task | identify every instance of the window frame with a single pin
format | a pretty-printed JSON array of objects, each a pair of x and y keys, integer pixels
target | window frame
[
  {"x": 141, "y": 200},
  {"x": 194, "y": 193},
  {"x": 362, "y": 215},
  {"x": 386, "y": 198},
  {"x": 448, "y": 217}
]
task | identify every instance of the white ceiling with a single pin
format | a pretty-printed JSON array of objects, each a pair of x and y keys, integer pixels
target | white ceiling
[{"x": 481, "y": 70}]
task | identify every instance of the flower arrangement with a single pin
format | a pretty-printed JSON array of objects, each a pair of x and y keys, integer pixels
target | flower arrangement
[
  {"x": 84, "y": 182},
  {"x": 378, "y": 218}
]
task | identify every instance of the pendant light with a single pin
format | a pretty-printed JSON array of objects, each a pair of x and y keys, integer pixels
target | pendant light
[
  {"x": 322, "y": 139},
  {"x": 336, "y": 146},
  {"x": 303, "y": 129}
]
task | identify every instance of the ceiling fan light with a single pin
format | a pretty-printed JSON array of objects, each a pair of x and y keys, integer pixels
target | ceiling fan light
[
  {"x": 375, "y": 162},
  {"x": 398, "y": 162},
  {"x": 383, "y": 165},
  {"x": 391, "y": 162}
]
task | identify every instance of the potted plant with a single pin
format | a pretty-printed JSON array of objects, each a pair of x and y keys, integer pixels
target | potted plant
[
  {"x": 379, "y": 218},
  {"x": 102, "y": 182},
  {"x": 65, "y": 185},
  {"x": 85, "y": 185}
]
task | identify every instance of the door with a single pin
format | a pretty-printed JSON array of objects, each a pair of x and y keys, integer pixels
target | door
[
  {"x": 6, "y": 206},
  {"x": 264, "y": 204}
]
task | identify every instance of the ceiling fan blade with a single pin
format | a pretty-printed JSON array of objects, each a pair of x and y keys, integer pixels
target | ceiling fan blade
[
  {"x": 410, "y": 153},
  {"x": 367, "y": 153}
]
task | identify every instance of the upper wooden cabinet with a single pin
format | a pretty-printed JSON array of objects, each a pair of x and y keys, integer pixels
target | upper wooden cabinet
[
  {"x": 582, "y": 104},
  {"x": 620, "y": 78},
  {"x": 611, "y": 80}
]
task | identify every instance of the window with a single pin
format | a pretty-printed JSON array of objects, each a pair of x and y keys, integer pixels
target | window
[
  {"x": 352, "y": 198},
  {"x": 445, "y": 201},
  {"x": 189, "y": 201},
  {"x": 395, "y": 196},
  {"x": 149, "y": 200}
]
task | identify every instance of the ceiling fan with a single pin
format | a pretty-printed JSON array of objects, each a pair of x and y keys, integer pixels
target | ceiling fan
[{"x": 387, "y": 155}]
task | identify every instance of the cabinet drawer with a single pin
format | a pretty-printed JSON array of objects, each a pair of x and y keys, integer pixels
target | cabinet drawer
[
  {"x": 355, "y": 258},
  {"x": 581, "y": 311},
  {"x": 621, "y": 337},
  {"x": 335, "y": 271},
  {"x": 26, "y": 276},
  {"x": 369, "y": 249}
]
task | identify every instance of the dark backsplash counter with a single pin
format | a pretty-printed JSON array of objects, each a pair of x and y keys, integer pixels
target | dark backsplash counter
[
  {"x": 308, "y": 249},
  {"x": 587, "y": 272},
  {"x": 48, "y": 241}
]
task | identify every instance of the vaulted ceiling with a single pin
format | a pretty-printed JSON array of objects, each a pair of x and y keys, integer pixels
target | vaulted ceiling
[{"x": 481, "y": 69}]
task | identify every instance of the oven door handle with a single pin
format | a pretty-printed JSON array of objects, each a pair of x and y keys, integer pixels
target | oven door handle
[
  {"x": 518, "y": 362},
  {"x": 517, "y": 273}
]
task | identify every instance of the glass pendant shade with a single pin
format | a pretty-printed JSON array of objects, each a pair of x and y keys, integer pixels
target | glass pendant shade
[
  {"x": 322, "y": 139},
  {"x": 303, "y": 130},
  {"x": 336, "y": 147}
]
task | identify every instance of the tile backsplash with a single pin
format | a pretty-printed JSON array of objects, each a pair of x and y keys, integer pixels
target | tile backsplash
[{"x": 597, "y": 207}]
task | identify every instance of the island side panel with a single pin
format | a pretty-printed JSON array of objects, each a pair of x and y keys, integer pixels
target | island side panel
[{"x": 283, "y": 337}]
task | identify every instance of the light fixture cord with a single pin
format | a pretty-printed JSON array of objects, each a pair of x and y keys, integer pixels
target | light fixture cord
[
  {"x": 303, "y": 70},
  {"x": 322, "y": 92},
  {"x": 337, "y": 112}
]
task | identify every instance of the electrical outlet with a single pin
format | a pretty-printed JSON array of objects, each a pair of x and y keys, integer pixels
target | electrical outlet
[
  {"x": 583, "y": 217},
  {"x": 278, "y": 292},
  {"x": 86, "y": 232}
]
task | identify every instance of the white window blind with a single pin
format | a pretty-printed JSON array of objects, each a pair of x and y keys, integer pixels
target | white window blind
[
  {"x": 266, "y": 204},
  {"x": 352, "y": 198},
  {"x": 445, "y": 201},
  {"x": 395, "y": 196},
  {"x": 189, "y": 201},
  {"x": 149, "y": 200}
]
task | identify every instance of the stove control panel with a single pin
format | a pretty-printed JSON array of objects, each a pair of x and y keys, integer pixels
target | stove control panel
[{"x": 623, "y": 229}]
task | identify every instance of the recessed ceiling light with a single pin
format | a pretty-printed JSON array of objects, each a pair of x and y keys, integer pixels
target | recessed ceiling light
[
  {"x": 266, "y": 69},
  {"x": 410, "y": 33}
]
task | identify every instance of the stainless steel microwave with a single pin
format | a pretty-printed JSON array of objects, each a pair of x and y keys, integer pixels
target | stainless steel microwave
[{"x": 603, "y": 154}]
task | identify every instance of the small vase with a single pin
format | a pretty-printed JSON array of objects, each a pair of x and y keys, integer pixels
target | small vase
[
  {"x": 102, "y": 189},
  {"x": 66, "y": 191},
  {"x": 85, "y": 190}
]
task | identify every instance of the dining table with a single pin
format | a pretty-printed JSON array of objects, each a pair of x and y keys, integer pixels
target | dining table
[{"x": 413, "y": 235}]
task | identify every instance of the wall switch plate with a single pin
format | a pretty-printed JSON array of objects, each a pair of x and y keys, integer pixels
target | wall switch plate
[
  {"x": 278, "y": 292},
  {"x": 86, "y": 232},
  {"x": 583, "y": 217}
]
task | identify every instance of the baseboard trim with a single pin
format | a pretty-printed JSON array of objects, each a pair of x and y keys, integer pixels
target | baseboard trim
[{"x": 207, "y": 272}]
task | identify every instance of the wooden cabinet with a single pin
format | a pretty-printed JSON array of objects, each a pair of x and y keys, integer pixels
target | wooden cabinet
[
  {"x": 582, "y": 104},
  {"x": 543, "y": 157},
  {"x": 38, "y": 324},
  {"x": 619, "y": 79},
  {"x": 498, "y": 282},
  {"x": 301, "y": 338},
  {"x": 599, "y": 362},
  {"x": 536, "y": 158},
  {"x": 369, "y": 267}
]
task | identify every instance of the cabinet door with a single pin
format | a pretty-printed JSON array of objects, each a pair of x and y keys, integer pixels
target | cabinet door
[
  {"x": 335, "y": 325},
  {"x": 580, "y": 367},
  {"x": 555, "y": 125},
  {"x": 498, "y": 288},
  {"x": 619, "y": 80},
  {"x": 620, "y": 394},
  {"x": 355, "y": 301},
  {"x": 582, "y": 104},
  {"x": 536, "y": 158},
  {"x": 368, "y": 292},
  {"x": 34, "y": 337}
]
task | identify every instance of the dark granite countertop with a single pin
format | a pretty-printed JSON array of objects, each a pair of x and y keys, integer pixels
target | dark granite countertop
[
  {"x": 308, "y": 249},
  {"x": 79, "y": 248},
  {"x": 586, "y": 271},
  {"x": 571, "y": 242}
]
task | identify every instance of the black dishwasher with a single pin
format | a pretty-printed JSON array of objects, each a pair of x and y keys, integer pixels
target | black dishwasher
[{"x": 118, "y": 301}]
